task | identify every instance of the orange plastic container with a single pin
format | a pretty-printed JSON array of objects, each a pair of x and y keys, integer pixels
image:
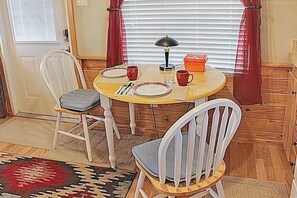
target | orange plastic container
[{"x": 195, "y": 62}]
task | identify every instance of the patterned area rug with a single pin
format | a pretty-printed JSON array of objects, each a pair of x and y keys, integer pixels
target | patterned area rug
[{"x": 36, "y": 177}]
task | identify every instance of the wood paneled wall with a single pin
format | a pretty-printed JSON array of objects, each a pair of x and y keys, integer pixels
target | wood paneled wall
[{"x": 262, "y": 123}]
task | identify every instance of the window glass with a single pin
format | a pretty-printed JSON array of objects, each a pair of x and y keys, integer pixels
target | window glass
[{"x": 32, "y": 20}]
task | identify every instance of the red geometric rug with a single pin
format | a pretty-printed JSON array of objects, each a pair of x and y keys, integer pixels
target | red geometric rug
[{"x": 36, "y": 177}]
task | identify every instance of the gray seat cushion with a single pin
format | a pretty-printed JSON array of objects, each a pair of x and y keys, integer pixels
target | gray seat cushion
[
  {"x": 80, "y": 100},
  {"x": 147, "y": 156}
]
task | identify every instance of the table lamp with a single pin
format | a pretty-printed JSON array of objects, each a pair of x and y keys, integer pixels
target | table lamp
[{"x": 166, "y": 42}]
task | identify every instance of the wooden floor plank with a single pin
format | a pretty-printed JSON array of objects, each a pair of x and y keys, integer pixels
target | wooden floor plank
[{"x": 260, "y": 169}]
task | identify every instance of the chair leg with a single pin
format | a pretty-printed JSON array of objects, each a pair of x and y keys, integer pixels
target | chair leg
[
  {"x": 57, "y": 129},
  {"x": 87, "y": 138},
  {"x": 139, "y": 184},
  {"x": 115, "y": 128},
  {"x": 220, "y": 189},
  {"x": 132, "y": 117},
  {"x": 79, "y": 119}
]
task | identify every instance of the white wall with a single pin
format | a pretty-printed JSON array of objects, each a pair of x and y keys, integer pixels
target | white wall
[
  {"x": 279, "y": 27},
  {"x": 91, "y": 27}
]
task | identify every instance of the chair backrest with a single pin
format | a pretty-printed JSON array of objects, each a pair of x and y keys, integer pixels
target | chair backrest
[
  {"x": 214, "y": 132},
  {"x": 58, "y": 69}
]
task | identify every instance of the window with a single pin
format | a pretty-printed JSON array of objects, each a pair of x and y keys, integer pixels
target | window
[
  {"x": 32, "y": 20},
  {"x": 200, "y": 26}
]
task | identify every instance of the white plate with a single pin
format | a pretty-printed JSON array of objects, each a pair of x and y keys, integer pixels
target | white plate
[
  {"x": 151, "y": 89},
  {"x": 114, "y": 72}
]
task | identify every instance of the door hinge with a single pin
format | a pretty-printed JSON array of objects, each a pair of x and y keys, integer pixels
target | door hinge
[
  {"x": 293, "y": 92},
  {"x": 294, "y": 144}
]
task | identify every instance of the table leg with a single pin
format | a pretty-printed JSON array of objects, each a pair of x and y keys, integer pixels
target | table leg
[
  {"x": 132, "y": 118},
  {"x": 199, "y": 119},
  {"x": 200, "y": 101},
  {"x": 106, "y": 104}
]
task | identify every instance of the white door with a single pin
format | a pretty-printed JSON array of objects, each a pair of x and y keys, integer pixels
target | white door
[{"x": 35, "y": 27}]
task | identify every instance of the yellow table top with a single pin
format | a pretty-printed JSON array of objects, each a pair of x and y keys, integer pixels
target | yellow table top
[{"x": 204, "y": 84}]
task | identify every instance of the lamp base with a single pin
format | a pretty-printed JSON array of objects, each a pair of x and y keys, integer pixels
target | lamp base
[{"x": 162, "y": 66}]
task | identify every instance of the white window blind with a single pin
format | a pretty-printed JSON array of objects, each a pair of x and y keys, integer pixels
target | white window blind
[
  {"x": 32, "y": 20},
  {"x": 208, "y": 27}
]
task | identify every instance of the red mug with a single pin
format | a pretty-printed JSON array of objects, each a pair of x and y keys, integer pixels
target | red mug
[
  {"x": 132, "y": 72},
  {"x": 183, "y": 77}
]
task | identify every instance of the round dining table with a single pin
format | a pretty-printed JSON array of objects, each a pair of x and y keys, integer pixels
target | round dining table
[{"x": 203, "y": 85}]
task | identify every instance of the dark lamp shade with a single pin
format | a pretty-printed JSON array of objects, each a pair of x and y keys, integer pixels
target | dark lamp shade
[{"x": 166, "y": 42}]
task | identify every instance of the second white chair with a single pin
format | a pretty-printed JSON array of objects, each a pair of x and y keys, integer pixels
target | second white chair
[{"x": 190, "y": 163}]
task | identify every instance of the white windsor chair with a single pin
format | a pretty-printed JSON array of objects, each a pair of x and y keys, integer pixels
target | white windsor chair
[
  {"x": 190, "y": 164},
  {"x": 63, "y": 76}
]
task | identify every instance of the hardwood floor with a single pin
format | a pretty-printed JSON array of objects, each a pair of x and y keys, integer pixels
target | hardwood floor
[{"x": 263, "y": 161}]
